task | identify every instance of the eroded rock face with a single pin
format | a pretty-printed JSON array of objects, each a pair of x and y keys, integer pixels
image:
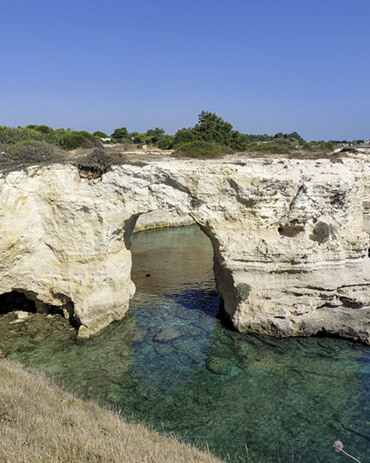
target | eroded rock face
[{"x": 290, "y": 238}]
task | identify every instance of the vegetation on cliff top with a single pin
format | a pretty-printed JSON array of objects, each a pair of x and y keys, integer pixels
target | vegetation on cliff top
[
  {"x": 61, "y": 138},
  {"x": 96, "y": 163},
  {"x": 210, "y": 137},
  {"x": 41, "y": 423},
  {"x": 202, "y": 149},
  {"x": 210, "y": 128}
]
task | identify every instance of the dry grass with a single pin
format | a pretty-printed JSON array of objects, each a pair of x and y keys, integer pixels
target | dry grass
[{"x": 39, "y": 422}]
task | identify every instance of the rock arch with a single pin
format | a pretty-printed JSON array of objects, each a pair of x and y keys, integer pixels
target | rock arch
[{"x": 290, "y": 248}]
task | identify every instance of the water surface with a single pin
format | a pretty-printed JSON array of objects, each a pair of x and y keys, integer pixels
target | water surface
[{"x": 171, "y": 363}]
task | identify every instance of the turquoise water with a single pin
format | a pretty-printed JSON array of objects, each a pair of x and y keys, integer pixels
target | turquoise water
[{"x": 172, "y": 363}]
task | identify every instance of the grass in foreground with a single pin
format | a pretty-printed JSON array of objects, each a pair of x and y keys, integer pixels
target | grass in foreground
[{"x": 39, "y": 422}]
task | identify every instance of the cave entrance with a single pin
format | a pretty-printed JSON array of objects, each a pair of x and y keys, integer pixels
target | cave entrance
[
  {"x": 26, "y": 301},
  {"x": 15, "y": 301},
  {"x": 177, "y": 263}
]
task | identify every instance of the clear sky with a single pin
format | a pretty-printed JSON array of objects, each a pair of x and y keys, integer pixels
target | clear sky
[{"x": 266, "y": 66}]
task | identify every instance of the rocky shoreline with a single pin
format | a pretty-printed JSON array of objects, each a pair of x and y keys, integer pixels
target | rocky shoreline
[{"x": 290, "y": 238}]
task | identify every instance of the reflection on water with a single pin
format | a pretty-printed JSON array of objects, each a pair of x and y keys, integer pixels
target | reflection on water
[{"x": 172, "y": 364}]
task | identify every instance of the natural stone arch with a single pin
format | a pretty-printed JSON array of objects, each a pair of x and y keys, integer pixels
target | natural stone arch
[
  {"x": 278, "y": 270},
  {"x": 223, "y": 277}
]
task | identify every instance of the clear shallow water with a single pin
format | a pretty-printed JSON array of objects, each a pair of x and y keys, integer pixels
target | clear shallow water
[{"x": 172, "y": 364}]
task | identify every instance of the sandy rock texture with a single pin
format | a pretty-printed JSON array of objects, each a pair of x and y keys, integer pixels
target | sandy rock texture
[{"x": 290, "y": 238}]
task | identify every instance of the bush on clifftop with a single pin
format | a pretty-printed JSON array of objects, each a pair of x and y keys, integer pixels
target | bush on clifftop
[
  {"x": 202, "y": 149},
  {"x": 97, "y": 163},
  {"x": 73, "y": 140},
  {"x": 27, "y": 153},
  {"x": 269, "y": 148},
  {"x": 66, "y": 139}
]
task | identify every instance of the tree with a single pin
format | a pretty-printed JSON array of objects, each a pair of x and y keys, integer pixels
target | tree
[
  {"x": 184, "y": 136},
  {"x": 138, "y": 138},
  {"x": 40, "y": 128},
  {"x": 155, "y": 134},
  {"x": 120, "y": 134},
  {"x": 211, "y": 127},
  {"x": 239, "y": 141},
  {"x": 100, "y": 134},
  {"x": 166, "y": 142}
]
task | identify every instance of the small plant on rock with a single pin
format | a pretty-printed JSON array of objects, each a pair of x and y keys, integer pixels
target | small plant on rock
[
  {"x": 242, "y": 292},
  {"x": 321, "y": 232}
]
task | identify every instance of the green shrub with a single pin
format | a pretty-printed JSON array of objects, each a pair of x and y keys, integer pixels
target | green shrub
[
  {"x": 73, "y": 140},
  {"x": 166, "y": 143},
  {"x": 39, "y": 128},
  {"x": 33, "y": 150},
  {"x": 66, "y": 139},
  {"x": 318, "y": 146},
  {"x": 269, "y": 148},
  {"x": 43, "y": 129},
  {"x": 183, "y": 136},
  {"x": 120, "y": 134},
  {"x": 321, "y": 232},
  {"x": 12, "y": 135},
  {"x": 202, "y": 149},
  {"x": 155, "y": 135},
  {"x": 30, "y": 152},
  {"x": 242, "y": 292},
  {"x": 100, "y": 134}
]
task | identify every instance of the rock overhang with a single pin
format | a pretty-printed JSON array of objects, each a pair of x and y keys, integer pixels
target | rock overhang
[{"x": 295, "y": 232}]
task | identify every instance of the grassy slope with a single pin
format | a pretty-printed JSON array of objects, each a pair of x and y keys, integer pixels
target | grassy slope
[{"x": 39, "y": 422}]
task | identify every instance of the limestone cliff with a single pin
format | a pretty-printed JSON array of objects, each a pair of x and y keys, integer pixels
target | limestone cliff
[{"x": 291, "y": 248}]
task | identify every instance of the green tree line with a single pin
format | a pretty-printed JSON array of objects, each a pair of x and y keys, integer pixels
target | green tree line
[{"x": 209, "y": 131}]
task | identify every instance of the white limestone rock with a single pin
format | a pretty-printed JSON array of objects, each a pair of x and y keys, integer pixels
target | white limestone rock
[
  {"x": 161, "y": 219},
  {"x": 290, "y": 238}
]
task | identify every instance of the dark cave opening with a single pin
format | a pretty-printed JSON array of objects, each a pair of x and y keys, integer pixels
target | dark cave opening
[
  {"x": 14, "y": 301},
  {"x": 26, "y": 301}
]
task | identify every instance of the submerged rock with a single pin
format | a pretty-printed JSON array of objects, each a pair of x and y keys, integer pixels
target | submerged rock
[
  {"x": 163, "y": 349},
  {"x": 219, "y": 366},
  {"x": 138, "y": 335},
  {"x": 166, "y": 335}
]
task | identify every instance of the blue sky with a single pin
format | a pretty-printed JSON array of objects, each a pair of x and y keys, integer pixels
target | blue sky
[{"x": 263, "y": 65}]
